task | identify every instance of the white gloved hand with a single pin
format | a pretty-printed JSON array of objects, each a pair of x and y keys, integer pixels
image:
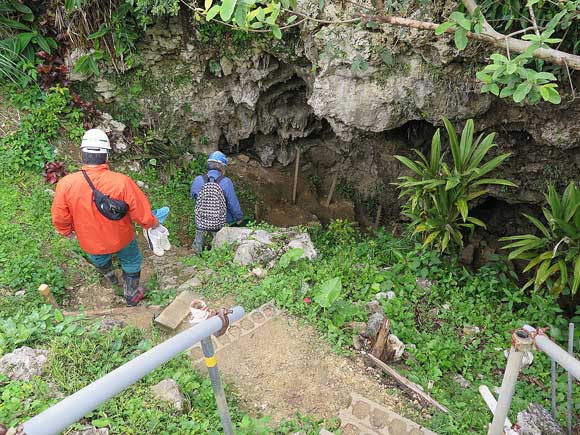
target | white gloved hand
[{"x": 163, "y": 234}]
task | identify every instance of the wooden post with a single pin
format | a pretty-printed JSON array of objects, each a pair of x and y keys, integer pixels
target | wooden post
[
  {"x": 381, "y": 341},
  {"x": 296, "y": 169},
  {"x": 378, "y": 218},
  {"x": 332, "y": 187},
  {"x": 44, "y": 290}
]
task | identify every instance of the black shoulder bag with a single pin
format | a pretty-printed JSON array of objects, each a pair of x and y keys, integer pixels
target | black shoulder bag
[{"x": 113, "y": 209}]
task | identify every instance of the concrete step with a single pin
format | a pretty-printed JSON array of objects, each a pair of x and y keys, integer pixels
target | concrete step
[
  {"x": 177, "y": 311},
  {"x": 365, "y": 417},
  {"x": 246, "y": 325}
]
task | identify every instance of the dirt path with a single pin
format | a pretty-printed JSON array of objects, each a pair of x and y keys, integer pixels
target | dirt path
[
  {"x": 276, "y": 365},
  {"x": 283, "y": 367}
]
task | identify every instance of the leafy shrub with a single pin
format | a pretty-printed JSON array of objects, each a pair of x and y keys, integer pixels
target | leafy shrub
[
  {"x": 47, "y": 116},
  {"x": 438, "y": 196},
  {"x": 26, "y": 30},
  {"x": 555, "y": 253}
]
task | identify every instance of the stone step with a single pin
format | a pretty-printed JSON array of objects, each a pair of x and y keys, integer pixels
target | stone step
[
  {"x": 246, "y": 325},
  {"x": 177, "y": 311},
  {"x": 365, "y": 417}
]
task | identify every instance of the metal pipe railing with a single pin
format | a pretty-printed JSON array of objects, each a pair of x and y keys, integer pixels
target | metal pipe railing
[
  {"x": 563, "y": 358},
  {"x": 71, "y": 409},
  {"x": 522, "y": 340}
]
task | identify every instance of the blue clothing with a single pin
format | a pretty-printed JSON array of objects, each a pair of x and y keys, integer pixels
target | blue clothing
[
  {"x": 129, "y": 256},
  {"x": 234, "y": 212}
]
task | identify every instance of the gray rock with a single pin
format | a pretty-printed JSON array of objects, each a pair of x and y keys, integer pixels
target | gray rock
[
  {"x": 374, "y": 324},
  {"x": 168, "y": 391},
  {"x": 226, "y": 65},
  {"x": 252, "y": 251},
  {"x": 90, "y": 430},
  {"x": 536, "y": 420},
  {"x": 424, "y": 283},
  {"x": 189, "y": 284},
  {"x": 259, "y": 246},
  {"x": 258, "y": 272},
  {"x": 231, "y": 235},
  {"x": 24, "y": 363},
  {"x": 463, "y": 383},
  {"x": 385, "y": 295},
  {"x": 20, "y": 293},
  {"x": 303, "y": 241}
]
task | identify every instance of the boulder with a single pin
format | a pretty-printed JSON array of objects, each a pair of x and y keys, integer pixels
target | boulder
[
  {"x": 303, "y": 241},
  {"x": 168, "y": 391},
  {"x": 252, "y": 251},
  {"x": 231, "y": 235},
  {"x": 259, "y": 246},
  {"x": 24, "y": 363}
]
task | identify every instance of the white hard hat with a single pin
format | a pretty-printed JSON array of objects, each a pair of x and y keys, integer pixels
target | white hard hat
[{"x": 95, "y": 141}]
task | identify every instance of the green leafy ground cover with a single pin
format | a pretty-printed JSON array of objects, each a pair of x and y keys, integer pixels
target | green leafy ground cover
[{"x": 335, "y": 288}]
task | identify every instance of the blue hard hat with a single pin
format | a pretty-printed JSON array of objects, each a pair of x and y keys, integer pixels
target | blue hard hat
[{"x": 218, "y": 157}]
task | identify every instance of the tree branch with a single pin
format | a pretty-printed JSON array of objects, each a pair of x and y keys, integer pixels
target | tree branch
[
  {"x": 519, "y": 46},
  {"x": 490, "y": 36}
]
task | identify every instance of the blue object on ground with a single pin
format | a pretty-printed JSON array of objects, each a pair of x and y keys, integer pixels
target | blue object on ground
[{"x": 161, "y": 214}]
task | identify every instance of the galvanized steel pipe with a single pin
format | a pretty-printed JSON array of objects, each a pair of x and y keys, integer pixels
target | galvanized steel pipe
[
  {"x": 68, "y": 411},
  {"x": 521, "y": 342},
  {"x": 562, "y": 357}
]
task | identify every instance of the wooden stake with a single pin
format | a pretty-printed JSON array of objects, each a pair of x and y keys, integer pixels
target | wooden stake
[
  {"x": 381, "y": 341},
  {"x": 405, "y": 383},
  {"x": 46, "y": 293},
  {"x": 332, "y": 187},
  {"x": 378, "y": 218},
  {"x": 296, "y": 169}
]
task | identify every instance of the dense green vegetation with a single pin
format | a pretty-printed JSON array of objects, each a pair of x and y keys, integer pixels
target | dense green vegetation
[
  {"x": 437, "y": 318},
  {"x": 335, "y": 288},
  {"x": 31, "y": 253}
]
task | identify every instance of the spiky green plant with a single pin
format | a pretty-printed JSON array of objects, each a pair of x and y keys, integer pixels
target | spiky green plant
[
  {"x": 555, "y": 253},
  {"x": 438, "y": 195}
]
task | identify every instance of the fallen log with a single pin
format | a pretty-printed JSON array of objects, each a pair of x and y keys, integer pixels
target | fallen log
[{"x": 407, "y": 384}]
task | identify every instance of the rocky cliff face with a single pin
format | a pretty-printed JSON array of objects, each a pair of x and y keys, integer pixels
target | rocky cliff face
[{"x": 348, "y": 96}]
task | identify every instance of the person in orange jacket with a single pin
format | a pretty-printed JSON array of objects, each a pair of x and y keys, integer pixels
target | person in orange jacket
[{"x": 74, "y": 213}]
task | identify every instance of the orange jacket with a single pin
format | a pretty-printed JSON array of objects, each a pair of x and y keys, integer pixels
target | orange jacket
[{"x": 73, "y": 209}]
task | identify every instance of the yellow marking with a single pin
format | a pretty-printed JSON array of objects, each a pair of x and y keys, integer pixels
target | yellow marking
[{"x": 211, "y": 361}]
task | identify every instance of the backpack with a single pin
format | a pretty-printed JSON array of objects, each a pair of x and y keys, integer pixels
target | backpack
[{"x": 210, "y": 207}]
